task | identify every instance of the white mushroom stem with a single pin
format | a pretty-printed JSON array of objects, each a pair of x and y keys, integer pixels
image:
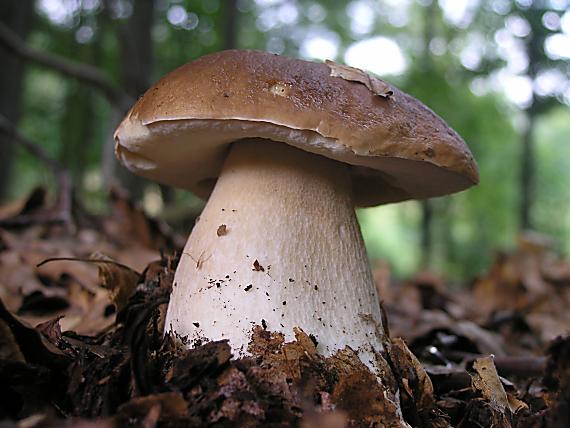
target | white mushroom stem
[{"x": 278, "y": 245}]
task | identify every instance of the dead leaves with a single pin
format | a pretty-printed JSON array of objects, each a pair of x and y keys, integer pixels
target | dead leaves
[
  {"x": 85, "y": 295},
  {"x": 416, "y": 388},
  {"x": 124, "y": 371},
  {"x": 531, "y": 281},
  {"x": 486, "y": 380},
  {"x": 512, "y": 312},
  {"x": 29, "y": 364},
  {"x": 119, "y": 280}
]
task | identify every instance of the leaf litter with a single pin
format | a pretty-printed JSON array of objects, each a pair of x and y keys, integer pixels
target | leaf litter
[{"x": 101, "y": 360}]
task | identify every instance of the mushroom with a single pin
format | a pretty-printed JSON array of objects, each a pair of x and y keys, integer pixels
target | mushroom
[{"x": 285, "y": 149}]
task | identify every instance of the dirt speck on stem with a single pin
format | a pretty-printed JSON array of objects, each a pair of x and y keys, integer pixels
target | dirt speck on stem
[{"x": 222, "y": 230}]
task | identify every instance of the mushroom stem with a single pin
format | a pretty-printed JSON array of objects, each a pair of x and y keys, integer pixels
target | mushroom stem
[{"x": 278, "y": 245}]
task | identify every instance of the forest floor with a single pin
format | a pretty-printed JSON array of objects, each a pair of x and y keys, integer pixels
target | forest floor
[{"x": 82, "y": 302}]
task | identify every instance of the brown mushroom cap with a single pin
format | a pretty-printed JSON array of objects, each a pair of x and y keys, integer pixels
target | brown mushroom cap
[{"x": 178, "y": 133}]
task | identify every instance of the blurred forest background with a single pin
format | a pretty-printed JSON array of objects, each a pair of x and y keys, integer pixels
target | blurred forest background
[{"x": 496, "y": 70}]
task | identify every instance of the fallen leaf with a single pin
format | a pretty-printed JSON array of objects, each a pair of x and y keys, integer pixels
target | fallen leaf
[
  {"x": 35, "y": 348},
  {"x": 374, "y": 84},
  {"x": 51, "y": 329},
  {"x": 119, "y": 280},
  {"x": 335, "y": 419},
  {"x": 486, "y": 380},
  {"x": 416, "y": 388}
]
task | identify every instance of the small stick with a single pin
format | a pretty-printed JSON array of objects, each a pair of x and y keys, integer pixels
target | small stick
[
  {"x": 88, "y": 74},
  {"x": 79, "y": 259}
]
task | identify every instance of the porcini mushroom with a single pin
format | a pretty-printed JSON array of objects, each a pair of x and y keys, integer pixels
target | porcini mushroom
[{"x": 285, "y": 149}]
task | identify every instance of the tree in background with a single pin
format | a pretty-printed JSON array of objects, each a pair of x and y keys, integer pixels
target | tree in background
[
  {"x": 133, "y": 31},
  {"x": 538, "y": 25},
  {"x": 455, "y": 56},
  {"x": 16, "y": 15}
]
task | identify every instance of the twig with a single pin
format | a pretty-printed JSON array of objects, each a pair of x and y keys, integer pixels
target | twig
[
  {"x": 79, "y": 259},
  {"x": 82, "y": 72}
]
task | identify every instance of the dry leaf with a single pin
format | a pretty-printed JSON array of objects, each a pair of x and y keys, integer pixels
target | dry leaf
[
  {"x": 515, "y": 404},
  {"x": 336, "y": 419},
  {"x": 51, "y": 329},
  {"x": 119, "y": 280},
  {"x": 376, "y": 85},
  {"x": 409, "y": 365},
  {"x": 32, "y": 345},
  {"x": 487, "y": 381},
  {"x": 416, "y": 388}
]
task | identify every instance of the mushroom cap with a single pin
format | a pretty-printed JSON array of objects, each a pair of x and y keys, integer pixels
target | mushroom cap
[{"x": 179, "y": 132}]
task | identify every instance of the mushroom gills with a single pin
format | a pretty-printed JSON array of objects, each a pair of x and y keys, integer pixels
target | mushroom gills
[{"x": 291, "y": 255}]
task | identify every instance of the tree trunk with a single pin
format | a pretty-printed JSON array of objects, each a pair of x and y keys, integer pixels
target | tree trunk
[
  {"x": 527, "y": 172},
  {"x": 136, "y": 59},
  {"x": 534, "y": 44},
  {"x": 230, "y": 24},
  {"x": 426, "y": 239},
  {"x": 18, "y": 15},
  {"x": 78, "y": 129}
]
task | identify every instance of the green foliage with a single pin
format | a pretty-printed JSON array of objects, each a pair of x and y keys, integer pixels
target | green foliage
[
  {"x": 552, "y": 208},
  {"x": 391, "y": 233},
  {"x": 73, "y": 122},
  {"x": 483, "y": 217}
]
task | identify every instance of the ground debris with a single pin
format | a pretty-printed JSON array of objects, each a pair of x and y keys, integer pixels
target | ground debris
[
  {"x": 416, "y": 388},
  {"x": 73, "y": 354}
]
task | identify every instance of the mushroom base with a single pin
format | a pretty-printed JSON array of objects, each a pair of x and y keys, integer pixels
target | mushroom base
[{"x": 278, "y": 245}]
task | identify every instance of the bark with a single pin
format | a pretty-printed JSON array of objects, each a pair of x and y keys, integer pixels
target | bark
[{"x": 18, "y": 16}]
